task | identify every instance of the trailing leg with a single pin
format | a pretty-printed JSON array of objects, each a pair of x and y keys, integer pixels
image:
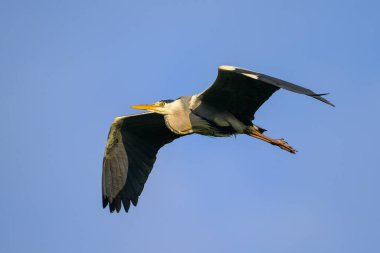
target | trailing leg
[{"x": 254, "y": 132}]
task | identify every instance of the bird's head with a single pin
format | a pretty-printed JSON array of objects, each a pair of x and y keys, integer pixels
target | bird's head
[{"x": 162, "y": 107}]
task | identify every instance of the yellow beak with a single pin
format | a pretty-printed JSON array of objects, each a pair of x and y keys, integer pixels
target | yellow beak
[{"x": 150, "y": 107}]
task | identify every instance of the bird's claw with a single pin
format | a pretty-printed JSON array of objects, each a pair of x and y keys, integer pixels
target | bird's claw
[{"x": 284, "y": 145}]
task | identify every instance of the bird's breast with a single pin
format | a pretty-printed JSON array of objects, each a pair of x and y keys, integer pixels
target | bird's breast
[{"x": 179, "y": 123}]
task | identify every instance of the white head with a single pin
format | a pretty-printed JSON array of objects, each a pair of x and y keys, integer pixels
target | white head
[{"x": 164, "y": 107}]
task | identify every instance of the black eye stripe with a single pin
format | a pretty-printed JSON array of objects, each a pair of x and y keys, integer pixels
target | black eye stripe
[{"x": 167, "y": 100}]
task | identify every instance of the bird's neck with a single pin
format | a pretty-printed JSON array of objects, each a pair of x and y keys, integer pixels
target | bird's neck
[{"x": 178, "y": 117}]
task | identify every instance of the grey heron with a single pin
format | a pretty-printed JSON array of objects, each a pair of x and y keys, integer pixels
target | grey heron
[{"x": 226, "y": 108}]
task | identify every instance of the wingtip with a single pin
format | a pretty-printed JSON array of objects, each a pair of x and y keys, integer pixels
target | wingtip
[
  {"x": 329, "y": 103},
  {"x": 114, "y": 207},
  {"x": 126, "y": 206},
  {"x": 135, "y": 201},
  {"x": 110, "y": 204},
  {"x": 320, "y": 98},
  {"x": 321, "y": 94},
  {"x": 105, "y": 202}
]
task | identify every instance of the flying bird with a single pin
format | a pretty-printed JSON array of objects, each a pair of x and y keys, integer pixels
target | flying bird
[{"x": 226, "y": 108}]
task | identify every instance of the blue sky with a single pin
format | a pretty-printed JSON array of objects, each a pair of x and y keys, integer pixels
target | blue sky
[{"x": 69, "y": 67}]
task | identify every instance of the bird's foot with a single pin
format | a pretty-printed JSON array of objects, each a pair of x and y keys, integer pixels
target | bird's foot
[
  {"x": 283, "y": 145},
  {"x": 277, "y": 142}
]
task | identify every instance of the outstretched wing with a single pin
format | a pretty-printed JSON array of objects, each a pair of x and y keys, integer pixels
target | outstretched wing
[
  {"x": 132, "y": 145},
  {"x": 242, "y": 91}
]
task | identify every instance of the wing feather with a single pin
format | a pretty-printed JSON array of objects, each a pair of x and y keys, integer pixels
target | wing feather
[
  {"x": 131, "y": 149},
  {"x": 242, "y": 91}
]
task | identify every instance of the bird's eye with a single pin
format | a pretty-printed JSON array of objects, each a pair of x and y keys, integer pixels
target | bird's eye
[{"x": 161, "y": 103}]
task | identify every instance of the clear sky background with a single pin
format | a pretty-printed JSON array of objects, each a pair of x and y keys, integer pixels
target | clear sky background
[{"x": 67, "y": 68}]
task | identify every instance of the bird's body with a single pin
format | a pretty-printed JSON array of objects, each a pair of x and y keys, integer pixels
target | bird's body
[
  {"x": 226, "y": 108},
  {"x": 188, "y": 115}
]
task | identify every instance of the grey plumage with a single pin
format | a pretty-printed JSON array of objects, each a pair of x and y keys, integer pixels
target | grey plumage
[
  {"x": 227, "y": 107},
  {"x": 132, "y": 145}
]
